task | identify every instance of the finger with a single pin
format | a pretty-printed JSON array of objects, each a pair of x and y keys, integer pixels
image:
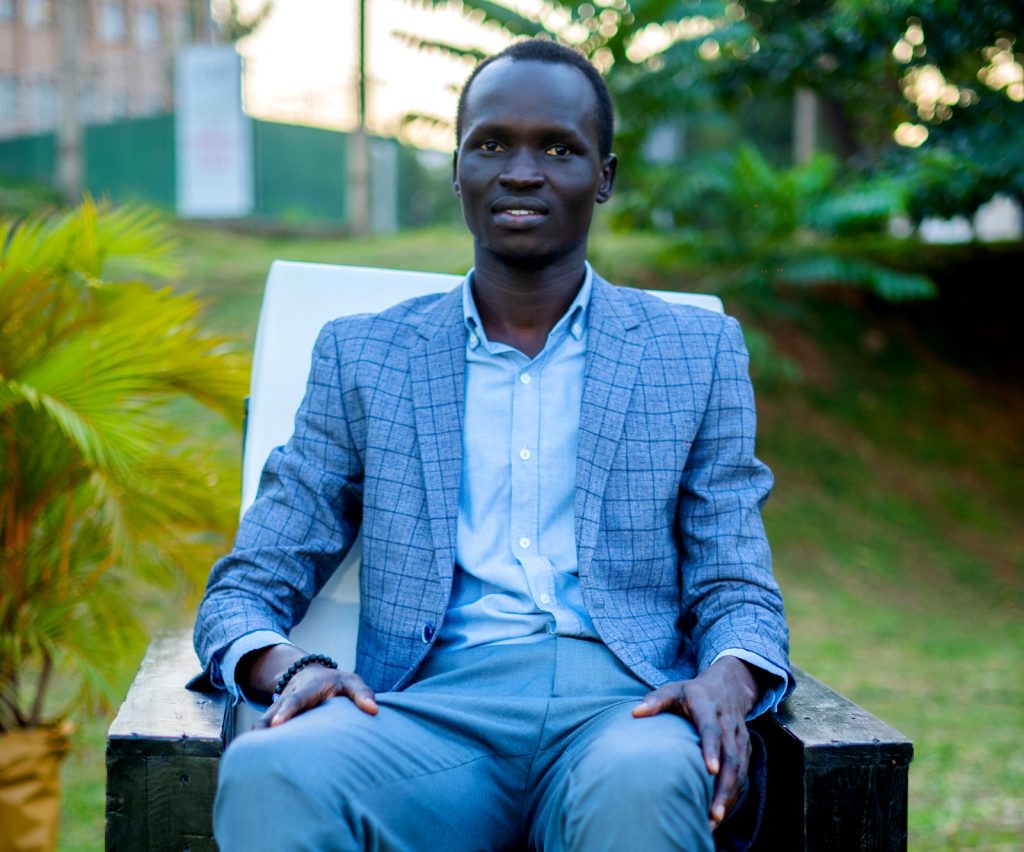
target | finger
[
  {"x": 732, "y": 778},
  {"x": 361, "y": 695},
  {"x": 273, "y": 714},
  {"x": 290, "y": 705},
  {"x": 667, "y": 698},
  {"x": 264, "y": 720},
  {"x": 704, "y": 715}
]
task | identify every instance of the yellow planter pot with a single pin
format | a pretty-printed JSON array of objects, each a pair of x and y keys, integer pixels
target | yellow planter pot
[{"x": 30, "y": 787}]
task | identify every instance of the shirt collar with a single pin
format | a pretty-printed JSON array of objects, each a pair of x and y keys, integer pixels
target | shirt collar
[{"x": 575, "y": 316}]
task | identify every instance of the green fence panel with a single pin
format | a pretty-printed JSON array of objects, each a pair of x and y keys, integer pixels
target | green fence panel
[
  {"x": 300, "y": 173},
  {"x": 132, "y": 160},
  {"x": 30, "y": 158}
]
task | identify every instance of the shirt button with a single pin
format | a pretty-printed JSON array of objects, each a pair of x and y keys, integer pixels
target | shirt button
[
  {"x": 577, "y": 329},
  {"x": 525, "y": 378},
  {"x": 524, "y": 454},
  {"x": 545, "y": 599},
  {"x": 524, "y": 542},
  {"x": 428, "y": 632},
  {"x": 473, "y": 341}
]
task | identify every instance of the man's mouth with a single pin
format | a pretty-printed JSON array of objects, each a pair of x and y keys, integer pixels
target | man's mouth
[{"x": 519, "y": 211}]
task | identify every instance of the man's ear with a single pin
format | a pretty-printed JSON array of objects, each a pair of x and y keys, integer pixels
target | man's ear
[
  {"x": 608, "y": 167},
  {"x": 455, "y": 173}
]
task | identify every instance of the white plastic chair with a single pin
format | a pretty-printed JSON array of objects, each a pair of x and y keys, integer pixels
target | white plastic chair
[{"x": 299, "y": 299}]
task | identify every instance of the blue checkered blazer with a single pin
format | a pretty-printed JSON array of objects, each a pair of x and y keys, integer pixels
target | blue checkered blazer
[{"x": 673, "y": 562}]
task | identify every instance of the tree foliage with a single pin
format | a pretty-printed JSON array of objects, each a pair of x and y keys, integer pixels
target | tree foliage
[
  {"x": 232, "y": 25},
  {"x": 103, "y": 497},
  {"x": 942, "y": 75}
]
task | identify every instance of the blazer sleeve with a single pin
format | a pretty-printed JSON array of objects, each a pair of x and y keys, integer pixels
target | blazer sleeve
[
  {"x": 305, "y": 518},
  {"x": 730, "y": 598}
]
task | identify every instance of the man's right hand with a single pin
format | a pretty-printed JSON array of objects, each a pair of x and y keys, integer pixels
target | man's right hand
[{"x": 260, "y": 671}]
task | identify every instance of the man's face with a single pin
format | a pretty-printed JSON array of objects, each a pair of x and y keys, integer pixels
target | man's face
[{"x": 528, "y": 170}]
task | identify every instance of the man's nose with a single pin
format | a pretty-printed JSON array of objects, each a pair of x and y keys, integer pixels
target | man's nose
[{"x": 521, "y": 171}]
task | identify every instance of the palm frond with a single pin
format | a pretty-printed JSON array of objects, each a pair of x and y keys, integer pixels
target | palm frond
[
  {"x": 470, "y": 55},
  {"x": 103, "y": 499}
]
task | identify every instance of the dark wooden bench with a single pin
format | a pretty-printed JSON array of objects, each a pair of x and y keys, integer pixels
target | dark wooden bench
[{"x": 837, "y": 776}]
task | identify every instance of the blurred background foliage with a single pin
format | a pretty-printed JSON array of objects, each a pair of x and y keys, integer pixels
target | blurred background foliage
[{"x": 914, "y": 109}]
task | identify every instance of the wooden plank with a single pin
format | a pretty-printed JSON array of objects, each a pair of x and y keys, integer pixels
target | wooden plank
[
  {"x": 196, "y": 843},
  {"x": 180, "y": 801},
  {"x": 837, "y": 776},
  {"x": 856, "y": 808},
  {"x": 823, "y": 720},
  {"x": 163, "y": 750},
  {"x": 159, "y": 716},
  {"x": 126, "y": 803}
]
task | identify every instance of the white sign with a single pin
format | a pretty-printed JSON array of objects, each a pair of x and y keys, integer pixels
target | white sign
[{"x": 213, "y": 137}]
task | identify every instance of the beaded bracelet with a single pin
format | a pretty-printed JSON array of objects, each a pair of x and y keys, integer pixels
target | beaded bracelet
[{"x": 301, "y": 663}]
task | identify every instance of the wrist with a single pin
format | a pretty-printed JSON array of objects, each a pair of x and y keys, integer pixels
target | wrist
[
  {"x": 743, "y": 676},
  {"x": 259, "y": 671},
  {"x": 306, "y": 661}
]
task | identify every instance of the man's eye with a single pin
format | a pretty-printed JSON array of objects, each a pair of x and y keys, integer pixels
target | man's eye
[
  {"x": 491, "y": 145},
  {"x": 559, "y": 150}
]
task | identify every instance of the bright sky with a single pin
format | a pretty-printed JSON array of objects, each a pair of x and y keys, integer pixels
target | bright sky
[{"x": 301, "y": 65}]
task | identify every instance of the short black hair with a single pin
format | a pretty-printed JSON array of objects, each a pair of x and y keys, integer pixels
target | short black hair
[{"x": 544, "y": 50}]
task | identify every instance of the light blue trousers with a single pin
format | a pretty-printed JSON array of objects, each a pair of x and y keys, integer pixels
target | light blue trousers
[{"x": 490, "y": 748}]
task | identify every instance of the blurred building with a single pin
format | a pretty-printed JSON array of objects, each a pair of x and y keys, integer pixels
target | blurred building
[
  {"x": 136, "y": 138},
  {"x": 124, "y": 62}
]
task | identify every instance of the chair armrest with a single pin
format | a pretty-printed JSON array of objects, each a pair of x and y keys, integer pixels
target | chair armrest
[
  {"x": 162, "y": 753},
  {"x": 837, "y": 776}
]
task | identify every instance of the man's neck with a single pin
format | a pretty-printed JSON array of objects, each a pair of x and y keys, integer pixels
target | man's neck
[{"x": 519, "y": 305}]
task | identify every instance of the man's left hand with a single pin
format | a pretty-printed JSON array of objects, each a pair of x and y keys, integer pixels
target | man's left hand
[{"x": 717, "y": 701}]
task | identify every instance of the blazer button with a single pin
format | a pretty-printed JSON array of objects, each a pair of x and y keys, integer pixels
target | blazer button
[{"x": 428, "y": 632}]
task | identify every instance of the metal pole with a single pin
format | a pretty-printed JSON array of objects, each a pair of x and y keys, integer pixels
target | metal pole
[
  {"x": 362, "y": 65},
  {"x": 69, "y": 133},
  {"x": 359, "y": 148}
]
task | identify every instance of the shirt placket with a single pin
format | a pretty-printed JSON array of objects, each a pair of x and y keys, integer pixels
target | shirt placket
[{"x": 524, "y": 530}]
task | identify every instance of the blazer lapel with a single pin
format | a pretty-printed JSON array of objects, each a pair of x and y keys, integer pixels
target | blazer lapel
[
  {"x": 438, "y": 372},
  {"x": 613, "y": 359}
]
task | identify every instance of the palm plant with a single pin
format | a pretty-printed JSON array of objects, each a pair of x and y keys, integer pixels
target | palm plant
[{"x": 105, "y": 500}]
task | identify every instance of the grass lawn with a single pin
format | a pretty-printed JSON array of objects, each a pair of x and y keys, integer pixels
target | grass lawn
[{"x": 896, "y": 523}]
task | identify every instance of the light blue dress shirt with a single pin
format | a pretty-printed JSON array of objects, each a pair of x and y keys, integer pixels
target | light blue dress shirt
[{"x": 516, "y": 577}]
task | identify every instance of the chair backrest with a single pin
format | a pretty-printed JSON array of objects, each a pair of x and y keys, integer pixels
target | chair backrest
[{"x": 298, "y": 300}]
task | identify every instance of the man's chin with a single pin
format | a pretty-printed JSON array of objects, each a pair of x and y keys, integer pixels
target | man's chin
[{"x": 530, "y": 259}]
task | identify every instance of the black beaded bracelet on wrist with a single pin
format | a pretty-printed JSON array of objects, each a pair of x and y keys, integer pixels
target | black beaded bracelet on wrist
[{"x": 301, "y": 663}]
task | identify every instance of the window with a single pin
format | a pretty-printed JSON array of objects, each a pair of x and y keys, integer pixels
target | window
[
  {"x": 38, "y": 13},
  {"x": 9, "y": 106},
  {"x": 183, "y": 27},
  {"x": 112, "y": 23},
  {"x": 147, "y": 27},
  {"x": 6, "y": 12},
  {"x": 87, "y": 106},
  {"x": 42, "y": 105}
]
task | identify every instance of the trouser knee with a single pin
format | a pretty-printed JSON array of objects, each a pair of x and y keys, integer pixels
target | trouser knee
[
  {"x": 640, "y": 796},
  {"x": 266, "y": 799}
]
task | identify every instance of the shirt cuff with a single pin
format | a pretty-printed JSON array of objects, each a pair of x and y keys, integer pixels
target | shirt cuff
[
  {"x": 222, "y": 669},
  {"x": 773, "y": 695}
]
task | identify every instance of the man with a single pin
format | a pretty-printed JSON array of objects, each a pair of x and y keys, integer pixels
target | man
[{"x": 567, "y": 606}]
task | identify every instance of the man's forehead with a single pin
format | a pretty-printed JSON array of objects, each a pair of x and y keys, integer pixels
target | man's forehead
[{"x": 507, "y": 75}]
